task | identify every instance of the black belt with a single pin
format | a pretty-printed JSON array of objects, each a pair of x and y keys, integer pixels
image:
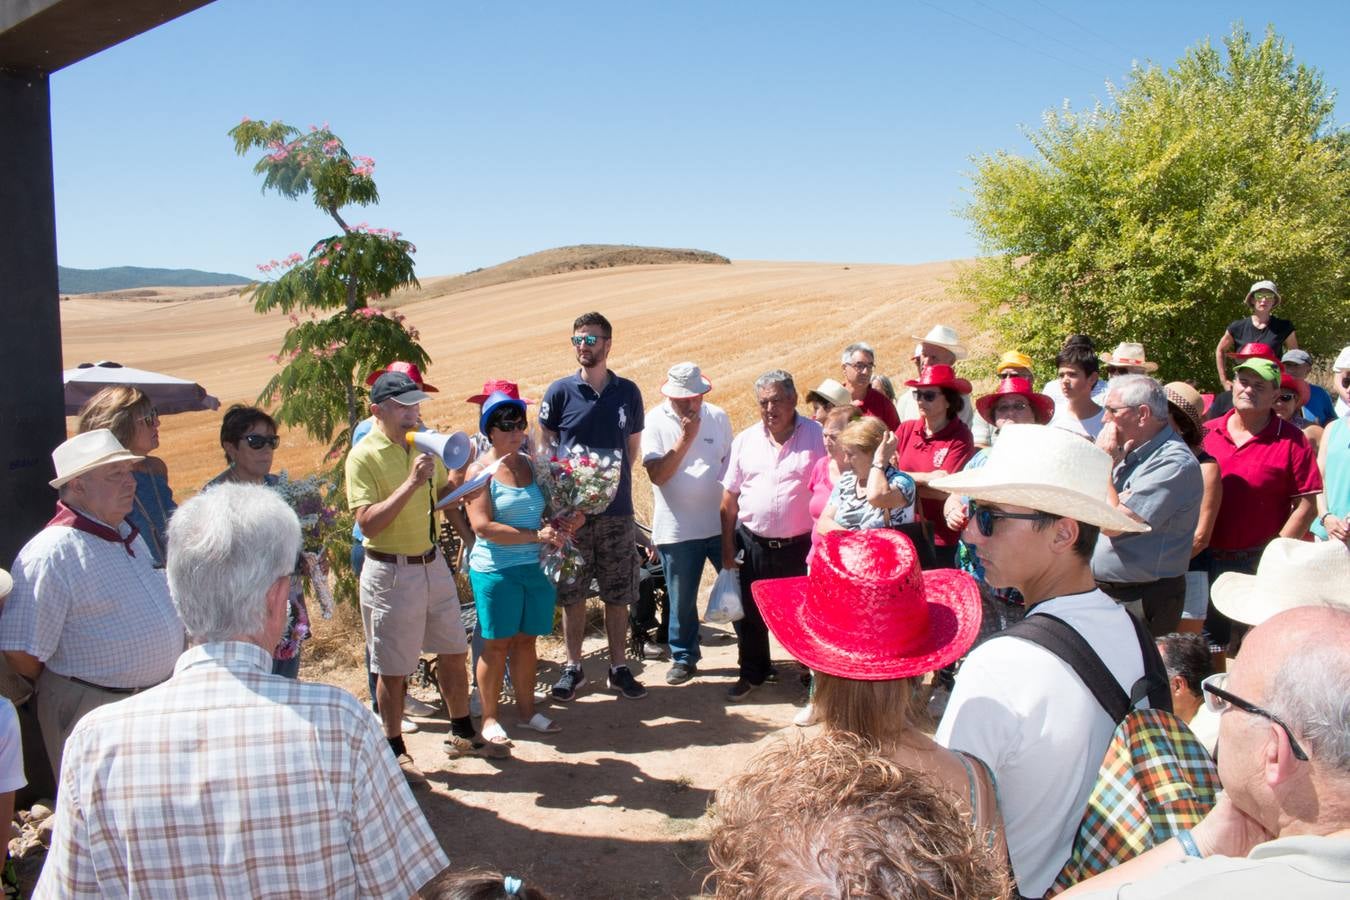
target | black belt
[
  {"x": 394, "y": 558},
  {"x": 99, "y": 687},
  {"x": 1253, "y": 553},
  {"x": 776, "y": 543}
]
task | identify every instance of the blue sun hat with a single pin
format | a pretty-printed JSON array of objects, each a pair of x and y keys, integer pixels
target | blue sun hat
[{"x": 495, "y": 401}]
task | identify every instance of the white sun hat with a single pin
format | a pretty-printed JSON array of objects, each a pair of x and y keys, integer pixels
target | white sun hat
[
  {"x": 1291, "y": 573},
  {"x": 943, "y": 336},
  {"x": 1342, "y": 362},
  {"x": 829, "y": 392},
  {"x": 1046, "y": 469},
  {"x": 87, "y": 451},
  {"x": 684, "y": 380},
  {"x": 1129, "y": 356}
]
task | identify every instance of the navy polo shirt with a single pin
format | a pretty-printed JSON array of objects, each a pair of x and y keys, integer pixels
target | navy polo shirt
[{"x": 601, "y": 422}]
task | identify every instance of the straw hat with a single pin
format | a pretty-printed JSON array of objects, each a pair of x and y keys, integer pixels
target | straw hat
[
  {"x": 940, "y": 377},
  {"x": 1188, "y": 400},
  {"x": 830, "y": 393},
  {"x": 1129, "y": 356},
  {"x": 1291, "y": 573},
  {"x": 407, "y": 368},
  {"x": 1013, "y": 360},
  {"x": 87, "y": 451},
  {"x": 1046, "y": 469},
  {"x": 509, "y": 388},
  {"x": 943, "y": 336},
  {"x": 1042, "y": 405},
  {"x": 867, "y": 612},
  {"x": 684, "y": 380}
]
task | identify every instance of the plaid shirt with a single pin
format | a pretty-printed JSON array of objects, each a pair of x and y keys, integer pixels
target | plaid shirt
[
  {"x": 227, "y": 781},
  {"x": 1155, "y": 780}
]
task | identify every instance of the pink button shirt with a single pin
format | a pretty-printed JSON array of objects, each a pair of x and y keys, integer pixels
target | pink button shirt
[{"x": 773, "y": 481}]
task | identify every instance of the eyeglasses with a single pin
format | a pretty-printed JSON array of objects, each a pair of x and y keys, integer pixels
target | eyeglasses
[
  {"x": 860, "y": 366},
  {"x": 1011, "y": 375},
  {"x": 590, "y": 340},
  {"x": 1284, "y": 398},
  {"x": 258, "y": 441},
  {"x": 1118, "y": 370},
  {"x": 927, "y": 396},
  {"x": 984, "y": 517},
  {"x": 150, "y": 418},
  {"x": 1220, "y": 701},
  {"x": 1012, "y": 406},
  {"x": 1116, "y": 410},
  {"x": 510, "y": 425}
]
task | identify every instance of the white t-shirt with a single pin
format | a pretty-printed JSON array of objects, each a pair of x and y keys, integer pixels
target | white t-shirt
[
  {"x": 686, "y": 508},
  {"x": 1023, "y": 711},
  {"x": 1089, "y": 428},
  {"x": 11, "y": 749}
]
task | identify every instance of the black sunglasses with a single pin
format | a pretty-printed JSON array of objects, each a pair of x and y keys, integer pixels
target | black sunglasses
[
  {"x": 927, "y": 396},
  {"x": 984, "y": 517},
  {"x": 257, "y": 441},
  {"x": 1219, "y": 701},
  {"x": 1285, "y": 398},
  {"x": 510, "y": 425}
]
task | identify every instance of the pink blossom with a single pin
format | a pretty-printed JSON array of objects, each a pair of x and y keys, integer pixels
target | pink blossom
[
  {"x": 323, "y": 261},
  {"x": 295, "y": 320},
  {"x": 274, "y": 358},
  {"x": 245, "y": 120},
  {"x": 337, "y": 246}
]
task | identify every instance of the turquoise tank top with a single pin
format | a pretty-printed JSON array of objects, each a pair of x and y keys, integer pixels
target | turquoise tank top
[{"x": 520, "y": 508}]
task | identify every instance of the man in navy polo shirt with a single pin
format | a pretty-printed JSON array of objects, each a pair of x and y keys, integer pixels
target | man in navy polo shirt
[{"x": 600, "y": 411}]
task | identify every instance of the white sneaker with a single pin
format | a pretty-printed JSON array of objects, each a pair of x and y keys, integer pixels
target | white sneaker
[
  {"x": 806, "y": 716},
  {"x": 418, "y": 708},
  {"x": 409, "y": 727},
  {"x": 475, "y": 704}
]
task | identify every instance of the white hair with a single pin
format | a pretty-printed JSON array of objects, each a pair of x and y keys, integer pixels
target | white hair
[
  {"x": 858, "y": 347},
  {"x": 775, "y": 376},
  {"x": 227, "y": 546},
  {"x": 1141, "y": 390},
  {"x": 1311, "y": 692}
]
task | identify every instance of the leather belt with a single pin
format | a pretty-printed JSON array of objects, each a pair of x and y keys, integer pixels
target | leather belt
[
  {"x": 776, "y": 543},
  {"x": 397, "y": 560},
  {"x": 111, "y": 690}
]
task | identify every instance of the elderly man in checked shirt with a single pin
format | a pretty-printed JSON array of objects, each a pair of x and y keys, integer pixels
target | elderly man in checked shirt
[{"x": 226, "y": 780}]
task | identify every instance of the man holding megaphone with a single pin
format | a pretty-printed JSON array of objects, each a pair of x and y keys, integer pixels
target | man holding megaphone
[{"x": 409, "y": 604}]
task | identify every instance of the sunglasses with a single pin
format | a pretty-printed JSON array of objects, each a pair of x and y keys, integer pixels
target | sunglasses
[
  {"x": 927, "y": 396},
  {"x": 1284, "y": 398},
  {"x": 984, "y": 517},
  {"x": 1002, "y": 375},
  {"x": 150, "y": 418},
  {"x": 590, "y": 340},
  {"x": 258, "y": 441},
  {"x": 1221, "y": 701},
  {"x": 1011, "y": 407},
  {"x": 510, "y": 425}
]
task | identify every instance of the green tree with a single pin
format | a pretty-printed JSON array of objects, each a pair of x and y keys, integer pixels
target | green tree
[
  {"x": 325, "y": 357},
  {"x": 1148, "y": 218}
]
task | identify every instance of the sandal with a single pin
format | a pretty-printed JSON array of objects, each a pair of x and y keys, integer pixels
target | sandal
[
  {"x": 496, "y": 734},
  {"x": 542, "y": 724}
]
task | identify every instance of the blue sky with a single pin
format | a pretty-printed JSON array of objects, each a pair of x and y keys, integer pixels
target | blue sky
[{"x": 777, "y": 130}]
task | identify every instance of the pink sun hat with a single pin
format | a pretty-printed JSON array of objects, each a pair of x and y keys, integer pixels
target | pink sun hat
[{"x": 867, "y": 612}]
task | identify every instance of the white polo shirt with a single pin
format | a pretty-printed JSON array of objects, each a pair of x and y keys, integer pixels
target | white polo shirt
[
  {"x": 1023, "y": 711},
  {"x": 686, "y": 508}
]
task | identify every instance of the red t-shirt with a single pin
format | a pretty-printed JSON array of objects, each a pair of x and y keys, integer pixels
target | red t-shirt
[
  {"x": 1260, "y": 479},
  {"x": 876, "y": 404},
  {"x": 949, "y": 450}
]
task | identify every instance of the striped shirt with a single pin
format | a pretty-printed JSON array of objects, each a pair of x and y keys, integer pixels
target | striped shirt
[
  {"x": 228, "y": 781},
  {"x": 520, "y": 508},
  {"x": 87, "y": 609}
]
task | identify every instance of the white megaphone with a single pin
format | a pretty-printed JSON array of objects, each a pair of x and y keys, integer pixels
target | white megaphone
[{"x": 451, "y": 449}]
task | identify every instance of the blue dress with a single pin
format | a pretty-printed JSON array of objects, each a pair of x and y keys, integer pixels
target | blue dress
[{"x": 151, "y": 511}]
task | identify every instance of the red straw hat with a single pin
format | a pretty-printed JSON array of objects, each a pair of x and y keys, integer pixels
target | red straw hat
[
  {"x": 867, "y": 612},
  {"x": 1042, "y": 405},
  {"x": 1298, "y": 386},
  {"x": 508, "y": 388},
  {"x": 1257, "y": 351},
  {"x": 940, "y": 376},
  {"x": 407, "y": 368}
]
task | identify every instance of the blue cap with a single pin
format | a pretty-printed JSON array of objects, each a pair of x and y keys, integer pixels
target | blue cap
[{"x": 494, "y": 402}]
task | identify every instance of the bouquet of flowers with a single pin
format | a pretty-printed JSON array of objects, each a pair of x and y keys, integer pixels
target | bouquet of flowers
[
  {"x": 574, "y": 480},
  {"x": 306, "y": 498}
]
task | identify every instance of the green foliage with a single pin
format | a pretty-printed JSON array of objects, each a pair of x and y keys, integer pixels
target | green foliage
[
  {"x": 1148, "y": 219},
  {"x": 298, "y": 163}
]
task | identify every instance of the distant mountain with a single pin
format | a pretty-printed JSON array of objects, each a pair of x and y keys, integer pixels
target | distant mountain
[{"x": 88, "y": 281}]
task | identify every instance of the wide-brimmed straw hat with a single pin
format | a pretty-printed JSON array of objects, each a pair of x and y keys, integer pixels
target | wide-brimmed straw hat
[
  {"x": 407, "y": 368},
  {"x": 830, "y": 393},
  {"x": 1042, "y": 405},
  {"x": 1013, "y": 360},
  {"x": 508, "y": 388},
  {"x": 943, "y": 336},
  {"x": 866, "y": 611},
  {"x": 1188, "y": 401},
  {"x": 1046, "y": 469},
  {"x": 684, "y": 380},
  {"x": 1264, "y": 286},
  {"x": 940, "y": 376},
  {"x": 87, "y": 451},
  {"x": 1291, "y": 573},
  {"x": 1129, "y": 356}
]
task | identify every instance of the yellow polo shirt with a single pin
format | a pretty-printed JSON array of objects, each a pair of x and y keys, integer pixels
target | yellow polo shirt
[{"x": 375, "y": 469}]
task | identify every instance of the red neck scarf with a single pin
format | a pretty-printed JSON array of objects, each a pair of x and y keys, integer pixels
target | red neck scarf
[{"x": 73, "y": 518}]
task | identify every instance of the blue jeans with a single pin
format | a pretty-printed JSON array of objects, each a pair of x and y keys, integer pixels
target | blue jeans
[{"x": 682, "y": 563}]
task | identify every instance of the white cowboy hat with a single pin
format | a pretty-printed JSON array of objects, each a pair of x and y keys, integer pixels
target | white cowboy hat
[
  {"x": 1291, "y": 573},
  {"x": 831, "y": 392},
  {"x": 1127, "y": 355},
  {"x": 87, "y": 451},
  {"x": 685, "y": 380},
  {"x": 1046, "y": 469},
  {"x": 943, "y": 336}
]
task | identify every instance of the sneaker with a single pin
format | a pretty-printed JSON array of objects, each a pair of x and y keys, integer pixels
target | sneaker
[
  {"x": 476, "y": 704},
  {"x": 572, "y": 680},
  {"x": 408, "y": 726},
  {"x": 680, "y": 673},
  {"x": 414, "y": 707},
  {"x": 622, "y": 680},
  {"x": 410, "y": 771},
  {"x": 806, "y": 716},
  {"x": 652, "y": 651},
  {"x": 740, "y": 690}
]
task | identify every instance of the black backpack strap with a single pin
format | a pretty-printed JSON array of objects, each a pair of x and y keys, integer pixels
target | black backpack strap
[
  {"x": 1155, "y": 683},
  {"x": 1061, "y": 639}
]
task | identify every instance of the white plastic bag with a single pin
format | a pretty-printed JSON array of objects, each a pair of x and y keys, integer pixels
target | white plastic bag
[{"x": 724, "y": 603}]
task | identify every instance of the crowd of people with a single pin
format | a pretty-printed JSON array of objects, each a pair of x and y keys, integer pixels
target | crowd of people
[{"x": 1102, "y": 557}]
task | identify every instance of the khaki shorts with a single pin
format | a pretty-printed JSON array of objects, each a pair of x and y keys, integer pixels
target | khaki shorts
[
  {"x": 407, "y": 610},
  {"x": 609, "y": 546}
]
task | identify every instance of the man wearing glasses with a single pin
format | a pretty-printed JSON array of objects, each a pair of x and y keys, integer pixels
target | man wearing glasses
[
  {"x": 1282, "y": 825},
  {"x": 859, "y": 363},
  {"x": 596, "y": 409},
  {"x": 1156, "y": 480},
  {"x": 1038, "y": 504}
]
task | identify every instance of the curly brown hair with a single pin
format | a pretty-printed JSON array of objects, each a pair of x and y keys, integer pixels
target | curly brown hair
[{"x": 832, "y": 817}]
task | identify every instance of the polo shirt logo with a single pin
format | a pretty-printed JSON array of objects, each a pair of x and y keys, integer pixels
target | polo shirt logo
[
  {"x": 543, "y": 410},
  {"x": 623, "y": 418},
  {"x": 939, "y": 456}
]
